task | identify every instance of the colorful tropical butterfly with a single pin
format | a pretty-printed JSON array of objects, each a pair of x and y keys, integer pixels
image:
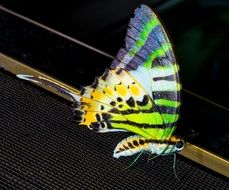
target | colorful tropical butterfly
[{"x": 139, "y": 93}]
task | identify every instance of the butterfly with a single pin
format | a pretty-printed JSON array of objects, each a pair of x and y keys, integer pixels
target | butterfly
[{"x": 138, "y": 93}]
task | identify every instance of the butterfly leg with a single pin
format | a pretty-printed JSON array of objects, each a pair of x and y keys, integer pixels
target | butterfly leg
[
  {"x": 153, "y": 157},
  {"x": 174, "y": 166},
  {"x": 137, "y": 157}
]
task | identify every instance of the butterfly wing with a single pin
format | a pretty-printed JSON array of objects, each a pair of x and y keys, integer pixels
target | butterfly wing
[
  {"x": 117, "y": 102},
  {"x": 141, "y": 90},
  {"x": 149, "y": 58}
]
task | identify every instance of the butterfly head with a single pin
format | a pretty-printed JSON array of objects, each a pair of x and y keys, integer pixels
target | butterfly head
[
  {"x": 179, "y": 145},
  {"x": 176, "y": 144}
]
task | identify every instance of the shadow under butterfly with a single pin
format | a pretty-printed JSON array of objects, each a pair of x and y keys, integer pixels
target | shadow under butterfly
[{"x": 139, "y": 93}]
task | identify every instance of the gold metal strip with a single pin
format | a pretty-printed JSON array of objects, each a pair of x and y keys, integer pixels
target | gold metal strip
[
  {"x": 16, "y": 67},
  {"x": 206, "y": 158},
  {"x": 191, "y": 152}
]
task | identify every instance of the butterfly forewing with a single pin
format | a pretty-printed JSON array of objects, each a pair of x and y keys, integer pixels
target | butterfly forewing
[{"x": 149, "y": 59}]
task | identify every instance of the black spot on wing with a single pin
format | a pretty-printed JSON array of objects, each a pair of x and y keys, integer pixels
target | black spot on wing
[
  {"x": 119, "y": 99},
  {"x": 82, "y": 91},
  {"x": 144, "y": 102},
  {"x": 118, "y": 72},
  {"x": 98, "y": 117},
  {"x": 106, "y": 116},
  {"x": 130, "y": 102},
  {"x": 95, "y": 125},
  {"x": 105, "y": 74},
  {"x": 95, "y": 83},
  {"x": 103, "y": 125},
  {"x": 113, "y": 103},
  {"x": 114, "y": 110},
  {"x": 120, "y": 105}
]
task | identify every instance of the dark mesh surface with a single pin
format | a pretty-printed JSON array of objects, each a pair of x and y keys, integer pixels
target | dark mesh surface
[{"x": 41, "y": 147}]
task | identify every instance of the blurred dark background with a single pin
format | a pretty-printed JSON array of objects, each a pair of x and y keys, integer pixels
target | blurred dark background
[{"x": 198, "y": 29}]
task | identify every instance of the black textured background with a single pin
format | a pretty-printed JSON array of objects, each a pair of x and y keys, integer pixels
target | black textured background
[{"x": 41, "y": 147}]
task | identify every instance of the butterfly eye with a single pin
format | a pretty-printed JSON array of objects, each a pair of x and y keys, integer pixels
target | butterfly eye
[{"x": 180, "y": 144}]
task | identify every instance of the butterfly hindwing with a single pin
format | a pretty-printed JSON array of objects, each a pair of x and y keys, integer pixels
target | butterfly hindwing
[{"x": 116, "y": 101}]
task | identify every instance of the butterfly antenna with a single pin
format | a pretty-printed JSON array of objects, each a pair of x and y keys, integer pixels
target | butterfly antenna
[{"x": 132, "y": 163}]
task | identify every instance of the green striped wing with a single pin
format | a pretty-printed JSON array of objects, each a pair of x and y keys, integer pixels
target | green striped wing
[
  {"x": 141, "y": 90},
  {"x": 148, "y": 57}
]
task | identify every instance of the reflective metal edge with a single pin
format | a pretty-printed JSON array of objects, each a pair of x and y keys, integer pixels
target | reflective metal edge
[
  {"x": 191, "y": 151},
  {"x": 15, "y": 67}
]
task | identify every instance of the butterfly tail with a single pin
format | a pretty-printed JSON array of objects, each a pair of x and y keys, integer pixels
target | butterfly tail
[
  {"x": 47, "y": 82},
  {"x": 88, "y": 111}
]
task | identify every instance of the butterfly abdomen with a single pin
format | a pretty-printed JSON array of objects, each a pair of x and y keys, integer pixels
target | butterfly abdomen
[
  {"x": 137, "y": 144},
  {"x": 130, "y": 146}
]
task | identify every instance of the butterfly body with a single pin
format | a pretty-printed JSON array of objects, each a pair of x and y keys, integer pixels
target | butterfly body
[{"x": 137, "y": 144}]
